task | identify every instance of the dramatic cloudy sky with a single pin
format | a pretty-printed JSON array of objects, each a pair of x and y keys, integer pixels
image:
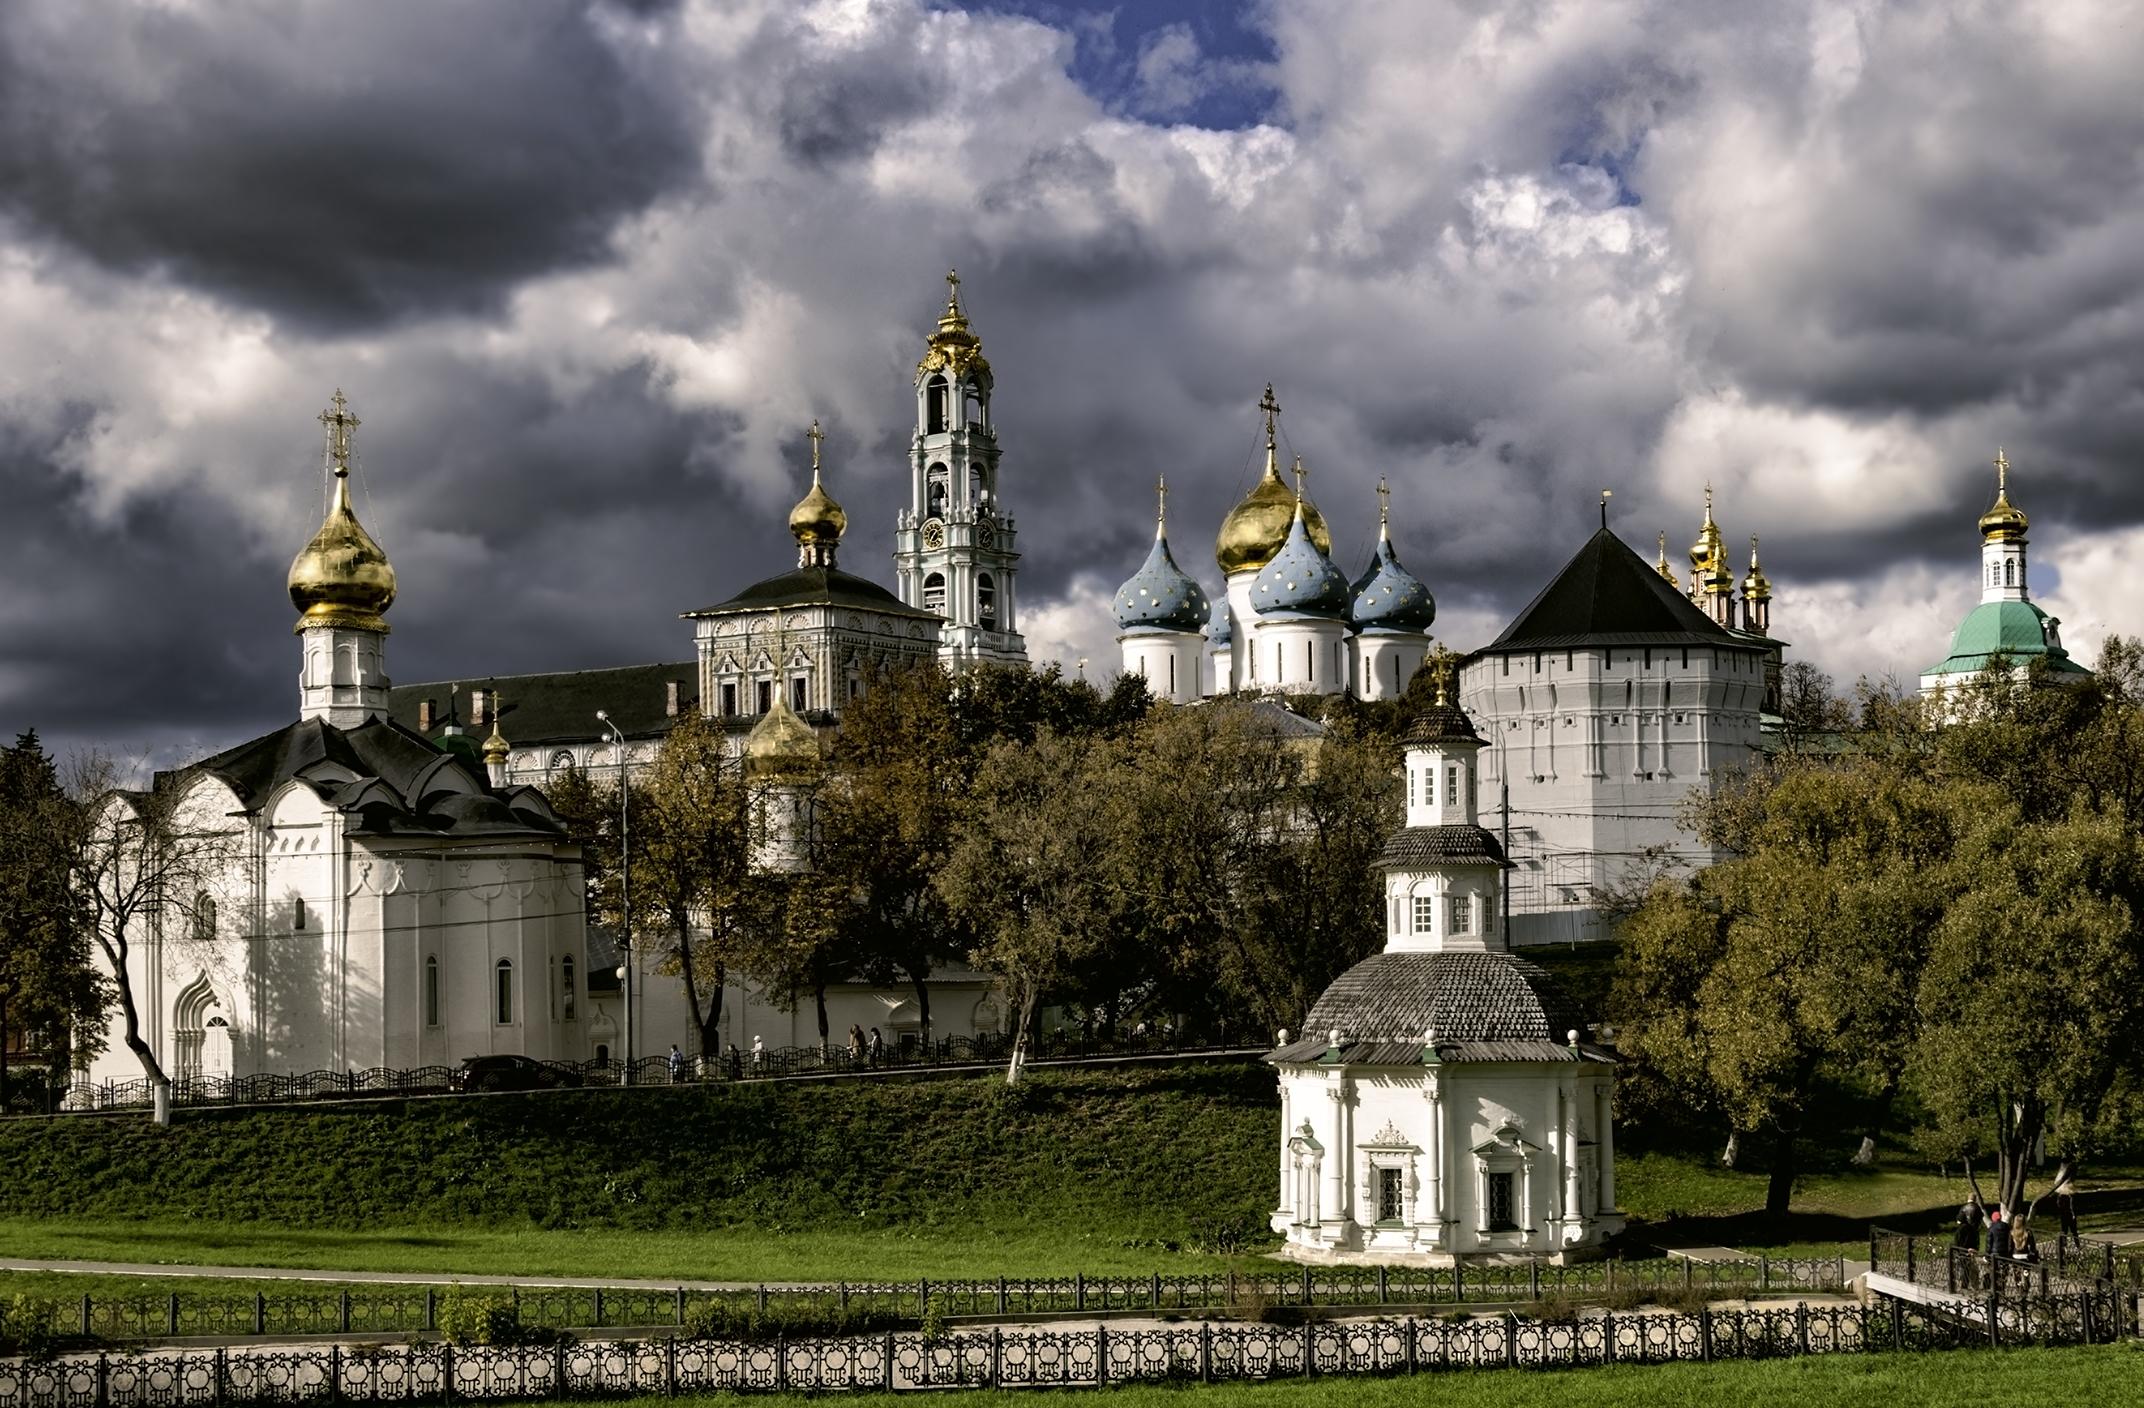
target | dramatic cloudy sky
[{"x": 587, "y": 270}]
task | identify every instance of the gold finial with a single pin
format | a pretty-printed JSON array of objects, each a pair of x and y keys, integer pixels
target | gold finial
[
  {"x": 1384, "y": 508},
  {"x": 339, "y": 423},
  {"x": 1161, "y": 499},
  {"x": 1271, "y": 407},
  {"x": 1753, "y": 552},
  {"x": 952, "y": 291},
  {"x": 1708, "y": 501},
  {"x": 1440, "y": 664},
  {"x": 815, "y": 435},
  {"x": 1300, "y": 474}
]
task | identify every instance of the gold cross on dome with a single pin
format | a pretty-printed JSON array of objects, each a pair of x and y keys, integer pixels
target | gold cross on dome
[
  {"x": 339, "y": 423},
  {"x": 2002, "y": 469},
  {"x": 952, "y": 290},
  {"x": 1271, "y": 407},
  {"x": 1161, "y": 497},
  {"x": 1384, "y": 502},
  {"x": 1301, "y": 472},
  {"x": 815, "y": 435},
  {"x": 1440, "y": 663}
]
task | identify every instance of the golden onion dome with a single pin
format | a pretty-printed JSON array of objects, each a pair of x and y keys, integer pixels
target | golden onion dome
[
  {"x": 1706, "y": 552},
  {"x": 2004, "y": 521},
  {"x": 1756, "y": 586},
  {"x": 1252, "y": 534},
  {"x": 781, "y": 743},
  {"x": 341, "y": 577},
  {"x": 496, "y": 749},
  {"x": 817, "y": 519}
]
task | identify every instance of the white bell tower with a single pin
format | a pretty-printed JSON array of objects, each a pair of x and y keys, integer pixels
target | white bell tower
[{"x": 953, "y": 545}]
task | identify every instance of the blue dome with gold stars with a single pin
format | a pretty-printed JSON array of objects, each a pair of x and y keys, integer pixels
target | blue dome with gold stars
[
  {"x": 1389, "y": 597},
  {"x": 1161, "y": 596},
  {"x": 1300, "y": 580}
]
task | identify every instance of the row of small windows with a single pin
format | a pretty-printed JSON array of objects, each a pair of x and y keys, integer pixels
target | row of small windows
[
  {"x": 2006, "y": 577},
  {"x": 1310, "y": 661},
  {"x": 566, "y": 1003},
  {"x": 938, "y": 406},
  {"x": 1459, "y": 914},
  {"x": 1734, "y": 661},
  {"x": 1422, "y": 785}
]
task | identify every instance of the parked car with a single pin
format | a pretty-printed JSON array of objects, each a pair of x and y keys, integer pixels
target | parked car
[{"x": 512, "y": 1073}]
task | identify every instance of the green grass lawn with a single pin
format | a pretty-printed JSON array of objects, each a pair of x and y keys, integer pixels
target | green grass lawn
[{"x": 2016, "y": 1378}]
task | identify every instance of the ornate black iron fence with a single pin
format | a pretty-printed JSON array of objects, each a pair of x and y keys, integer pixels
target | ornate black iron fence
[
  {"x": 1089, "y": 1357},
  {"x": 418, "y": 1309},
  {"x": 715, "y": 1068}
]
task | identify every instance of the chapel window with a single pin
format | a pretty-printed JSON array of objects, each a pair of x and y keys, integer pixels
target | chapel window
[
  {"x": 986, "y": 601},
  {"x": 204, "y": 916},
  {"x": 431, "y": 990},
  {"x": 1462, "y": 914},
  {"x": 797, "y": 691},
  {"x": 1502, "y": 1202},
  {"x": 766, "y": 695},
  {"x": 937, "y": 403},
  {"x": 565, "y": 986},
  {"x": 1451, "y": 784},
  {"x": 2010, "y": 572},
  {"x": 1391, "y": 1194},
  {"x": 297, "y": 914},
  {"x": 934, "y": 494},
  {"x": 1425, "y": 913},
  {"x": 934, "y": 592},
  {"x": 506, "y": 992}
]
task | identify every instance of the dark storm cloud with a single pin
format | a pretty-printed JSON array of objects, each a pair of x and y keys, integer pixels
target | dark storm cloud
[{"x": 341, "y": 165}]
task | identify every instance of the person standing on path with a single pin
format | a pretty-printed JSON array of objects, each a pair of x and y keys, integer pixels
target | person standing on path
[
  {"x": 1965, "y": 1245},
  {"x": 677, "y": 1065},
  {"x": 2066, "y": 1211}
]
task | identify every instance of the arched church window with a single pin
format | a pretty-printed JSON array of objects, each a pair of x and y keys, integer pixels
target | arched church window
[
  {"x": 431, "y": 990},
  {"x": 506, "y": 992},
  {"x": 2009, "y": 571},
  {"x": 297, "y": 914},
  {"x": 798, "y": 690},
  {"x": 972, "y": 407},
  {"x": 937, "y": 405},
  {"x": 204, "y": 916},
  {"x": 766, "y": 695},
  {"x": 986, "y": 601},
  {"x": 561, "y": 760},
  {"x": 934, "y": 492},
  {"x": 565, "y": 986},
  {"x": 934, "y": 592}
]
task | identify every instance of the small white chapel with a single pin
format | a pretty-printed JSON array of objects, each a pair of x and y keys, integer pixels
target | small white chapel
[{"x": 1442, "y": 1102}]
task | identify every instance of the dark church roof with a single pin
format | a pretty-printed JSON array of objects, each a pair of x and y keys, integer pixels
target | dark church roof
[
  {"x": 559, "y": 707},
  {"x": 1440, "y": 845},
  {"x": 1385, "y": 1004},
  {"x": 1608, "y": 595},
  {"x": 389, "y": 780},
  {"x": 815, "y": 586}
]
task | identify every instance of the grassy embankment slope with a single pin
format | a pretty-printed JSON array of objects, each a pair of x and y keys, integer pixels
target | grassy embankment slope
[{"x": 1100, "y": 1171}]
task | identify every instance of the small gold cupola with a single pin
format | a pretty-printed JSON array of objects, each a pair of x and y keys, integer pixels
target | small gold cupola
[
  {"x": 1756, "y": 586},
  {"x": 1662, "y": 566},
  {"x": 1252, "y": 534},
  {"x": 2004, "y": 521},
  {"x": 817, "y": 522},
  {"x": 341, "y": 577},
  {"x": 1707, "y": 551}
]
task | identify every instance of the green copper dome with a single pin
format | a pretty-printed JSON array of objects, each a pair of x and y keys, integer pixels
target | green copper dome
[{"x": 2017, "y": 630}]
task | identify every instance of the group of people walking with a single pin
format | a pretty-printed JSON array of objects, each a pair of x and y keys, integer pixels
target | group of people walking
[{"x": 2001, "y": 1235}]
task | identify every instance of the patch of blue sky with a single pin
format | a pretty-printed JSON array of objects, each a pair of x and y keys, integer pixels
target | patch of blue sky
[{"x": 1202, "y": 62}]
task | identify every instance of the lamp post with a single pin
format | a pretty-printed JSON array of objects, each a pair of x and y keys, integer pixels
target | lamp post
[{"x": 625, "y": 893}]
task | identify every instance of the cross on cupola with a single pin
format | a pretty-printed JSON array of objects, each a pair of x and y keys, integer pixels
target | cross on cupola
[{"x": 339, "y": 422}]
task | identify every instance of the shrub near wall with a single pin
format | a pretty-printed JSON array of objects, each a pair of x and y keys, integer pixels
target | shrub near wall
[{"x": 1188, "y": 1147}]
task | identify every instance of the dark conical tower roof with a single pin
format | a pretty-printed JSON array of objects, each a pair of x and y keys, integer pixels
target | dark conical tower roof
[{"x": 1608, "y": 595}]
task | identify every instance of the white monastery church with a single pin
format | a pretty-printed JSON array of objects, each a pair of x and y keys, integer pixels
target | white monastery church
[{"x": 1441, "y": 1101}]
